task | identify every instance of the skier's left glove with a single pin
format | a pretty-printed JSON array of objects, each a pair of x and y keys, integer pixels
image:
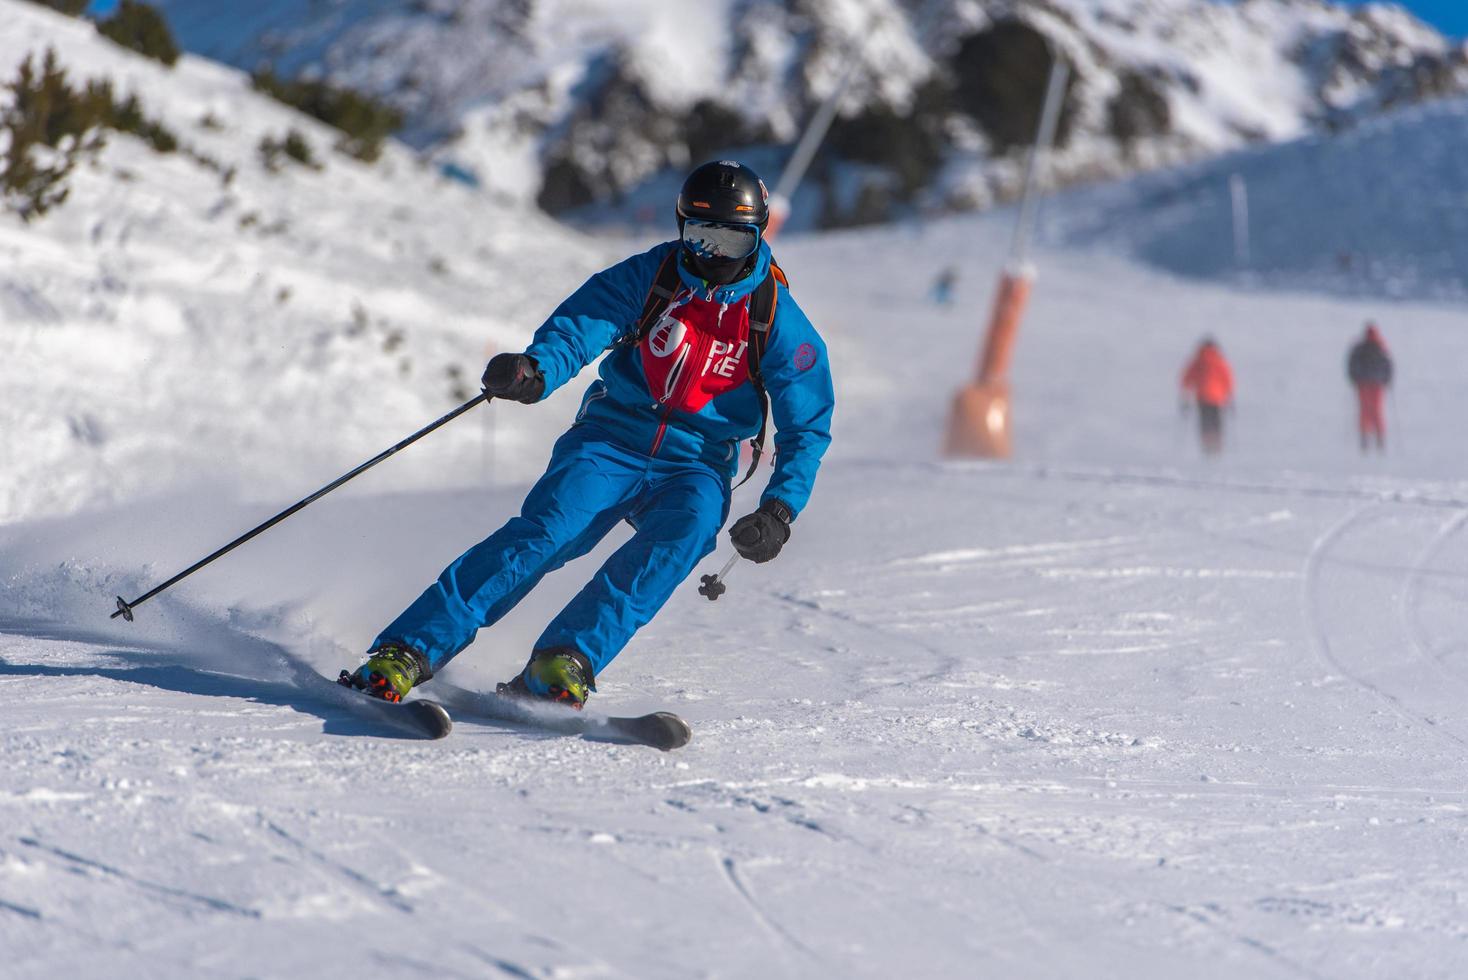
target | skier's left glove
[{"x": 760, "y": 536}]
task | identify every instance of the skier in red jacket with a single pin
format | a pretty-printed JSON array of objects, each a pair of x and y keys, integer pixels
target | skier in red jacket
[
  {"x": 1210, "y": 382},
  {"x": 1370, "y": 369}
]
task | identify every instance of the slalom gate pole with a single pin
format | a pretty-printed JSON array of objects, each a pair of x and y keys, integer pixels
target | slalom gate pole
[{"x": 125, "y": 609}]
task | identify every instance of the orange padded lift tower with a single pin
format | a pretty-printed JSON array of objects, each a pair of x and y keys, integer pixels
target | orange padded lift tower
[{"x": 979, "y": 424}]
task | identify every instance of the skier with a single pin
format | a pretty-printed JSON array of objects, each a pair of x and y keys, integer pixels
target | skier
[
  {"x": 1210, "y": 382},
  {"x": 696, "y": 361},
  {"x": 942, "y": 291},
  {"x": 1369, "y": 368}
]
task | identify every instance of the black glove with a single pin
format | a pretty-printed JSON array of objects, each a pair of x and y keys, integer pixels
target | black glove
[
  {"x": 513, "y": 376},
  {"x": 759, "y": 536}
]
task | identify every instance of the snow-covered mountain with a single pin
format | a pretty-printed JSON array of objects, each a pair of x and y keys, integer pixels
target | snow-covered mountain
[{"x": 574, "y": 101}]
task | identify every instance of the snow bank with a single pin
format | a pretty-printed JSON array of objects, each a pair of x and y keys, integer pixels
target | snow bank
[{"x": 144, "y": 317}]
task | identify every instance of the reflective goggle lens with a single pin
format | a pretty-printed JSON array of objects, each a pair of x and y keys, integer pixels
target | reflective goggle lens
[{"x": 711, "y": 240}]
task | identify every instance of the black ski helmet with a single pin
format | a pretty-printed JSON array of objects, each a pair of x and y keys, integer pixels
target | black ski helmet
[{"x": 727, "y": 192}]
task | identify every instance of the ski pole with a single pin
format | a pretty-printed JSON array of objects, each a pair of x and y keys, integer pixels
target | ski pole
[
  {"x": 125, "y": 609},
  {"x": 713, "y": 585}
]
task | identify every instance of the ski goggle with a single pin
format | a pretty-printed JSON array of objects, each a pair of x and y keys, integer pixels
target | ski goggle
[{"x": 713, "y": 240}]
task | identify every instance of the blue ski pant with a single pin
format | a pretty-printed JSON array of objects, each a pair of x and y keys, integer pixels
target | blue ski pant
[{"x": 591, "y": 484}]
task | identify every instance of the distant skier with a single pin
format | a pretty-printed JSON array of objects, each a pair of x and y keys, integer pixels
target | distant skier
[
  {"x": 1210, "y": 382},
  {"x": 1370, "y": 369},
  {"x": 942, "y": 291},
  {"x": 705, "y": 339}
]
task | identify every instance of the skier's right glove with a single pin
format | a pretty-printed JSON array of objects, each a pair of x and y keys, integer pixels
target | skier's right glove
[
  {"x": 514, "y": 376},
  {"x": 760, "y": 536}
]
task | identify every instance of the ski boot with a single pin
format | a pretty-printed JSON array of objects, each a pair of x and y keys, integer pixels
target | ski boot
[
  {"x": 390, "y": 672},
  {"x": 560, "y": 675}
]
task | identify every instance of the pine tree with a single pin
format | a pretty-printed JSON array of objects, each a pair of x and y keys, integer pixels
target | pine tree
[
  {"x": 72, "y": 8},
  {"x": 141, "y": 28},
  {"x": 51, "y": 128}
]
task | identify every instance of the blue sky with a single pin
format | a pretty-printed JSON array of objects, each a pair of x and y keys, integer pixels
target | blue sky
[
  {"x": 1451, "y": 16},
  {"x": 1448, "y": 16}
]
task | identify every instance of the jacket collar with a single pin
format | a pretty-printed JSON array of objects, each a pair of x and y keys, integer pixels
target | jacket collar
[{"x": 738, "y": 289}]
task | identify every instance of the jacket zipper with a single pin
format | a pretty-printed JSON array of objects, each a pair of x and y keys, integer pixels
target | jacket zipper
[
  {"x": 657, "y": 439},
  {"x": 694, "y": 370},
  {"x": 591, "y": 399}
]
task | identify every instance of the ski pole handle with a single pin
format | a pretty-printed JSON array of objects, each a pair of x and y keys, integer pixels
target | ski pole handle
[{"x": 713, "y": 585}]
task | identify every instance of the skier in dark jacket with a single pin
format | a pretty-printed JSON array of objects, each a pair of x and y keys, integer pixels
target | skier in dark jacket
[
  {"x": 1369, "y": 368},
  {"x": 656, "y": 444}
]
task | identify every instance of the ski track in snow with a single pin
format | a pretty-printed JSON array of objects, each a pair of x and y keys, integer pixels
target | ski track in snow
[
  {"x": 1215, "y": 920},
  {"x": 389, "y": 895},
  {"x": 772, "y": 926},
  {"x": 186, "y": 901},
  {"x": 1411, "y": 600},
  {"x": 1398, "y": 612}
]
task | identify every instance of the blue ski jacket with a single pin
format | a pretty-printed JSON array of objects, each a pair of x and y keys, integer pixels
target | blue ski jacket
[{"x": 625, "y": 402}]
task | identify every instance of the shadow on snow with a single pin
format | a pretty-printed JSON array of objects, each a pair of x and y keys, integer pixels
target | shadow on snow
[{"x": 297, "y": 685}]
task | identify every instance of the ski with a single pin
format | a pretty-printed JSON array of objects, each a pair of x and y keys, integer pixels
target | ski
[
  {"x": 428, "y": 718},
  {"x": 660, "y": 730},
  {"x": 418, "y": 716}
]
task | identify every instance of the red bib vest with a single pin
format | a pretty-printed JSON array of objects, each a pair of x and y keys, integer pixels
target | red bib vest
[{"x": 696, "y": 351}]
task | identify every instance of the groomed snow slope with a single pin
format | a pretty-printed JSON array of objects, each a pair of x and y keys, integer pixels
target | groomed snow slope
[{"x": 1108, "y": 710}]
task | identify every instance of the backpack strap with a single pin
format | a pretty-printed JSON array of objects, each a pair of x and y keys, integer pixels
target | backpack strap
[
  {"x": 659, "y": 296},
  {"x": 761, "y": 320}
]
